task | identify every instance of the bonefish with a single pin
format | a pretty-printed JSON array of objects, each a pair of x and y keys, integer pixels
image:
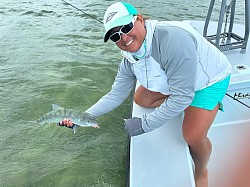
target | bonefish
[{"x": 58, "y": 113}]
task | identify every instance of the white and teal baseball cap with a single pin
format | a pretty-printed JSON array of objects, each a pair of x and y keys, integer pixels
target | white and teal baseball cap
[{"x": 117, "y": 14}]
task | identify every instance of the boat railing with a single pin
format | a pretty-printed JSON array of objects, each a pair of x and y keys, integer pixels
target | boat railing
[{"x": 228, "y": 40}]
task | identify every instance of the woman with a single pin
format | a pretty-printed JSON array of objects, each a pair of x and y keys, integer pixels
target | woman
[{"x": 178, "y": 70}]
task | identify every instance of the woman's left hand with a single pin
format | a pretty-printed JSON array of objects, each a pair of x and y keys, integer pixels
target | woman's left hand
[{"x": 133, "y": 126}]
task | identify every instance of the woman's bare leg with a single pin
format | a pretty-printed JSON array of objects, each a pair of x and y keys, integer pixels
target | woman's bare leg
[
  {"x": 147, "y": 98},
  {"x": 196, "y": 124}
]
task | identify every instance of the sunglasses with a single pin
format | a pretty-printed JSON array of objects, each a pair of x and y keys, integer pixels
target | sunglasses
[{"x": 125, "y": 29}]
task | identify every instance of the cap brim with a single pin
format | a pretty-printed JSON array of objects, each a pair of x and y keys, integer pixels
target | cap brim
[
  {"x": 118, "y": 22},
  {"x": 106, "y": 36}
]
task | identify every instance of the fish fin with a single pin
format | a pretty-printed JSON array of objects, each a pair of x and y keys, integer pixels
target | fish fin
[
  {"x": 74, "y": 128},
  {"x": 56, "y": 107}
]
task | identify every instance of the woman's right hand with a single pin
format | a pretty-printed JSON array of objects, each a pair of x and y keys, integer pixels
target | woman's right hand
[{"x": 66, "y": 122}]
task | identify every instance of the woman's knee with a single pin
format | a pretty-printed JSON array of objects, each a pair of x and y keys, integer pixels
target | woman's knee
[
  {"x": 192, "y": 137},
  {"x": 139, "y": 100},
  {"x": 139, "y": 96},
  {"x": 147, "y": 98}
]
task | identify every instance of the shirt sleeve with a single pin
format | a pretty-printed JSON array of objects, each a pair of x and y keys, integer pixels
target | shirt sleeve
[
  {"x": 121, "y": 88},
  {"x": 177, "y": 50}
]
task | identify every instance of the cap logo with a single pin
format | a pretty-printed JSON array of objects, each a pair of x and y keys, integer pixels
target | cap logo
[{"x": 110, "y": 16}]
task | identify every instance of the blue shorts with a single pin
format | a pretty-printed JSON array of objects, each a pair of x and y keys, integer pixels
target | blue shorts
[{"x": 209, "y": 97}]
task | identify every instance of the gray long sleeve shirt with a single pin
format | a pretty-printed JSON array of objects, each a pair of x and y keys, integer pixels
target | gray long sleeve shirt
[{"x": 190, "y": 63}]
